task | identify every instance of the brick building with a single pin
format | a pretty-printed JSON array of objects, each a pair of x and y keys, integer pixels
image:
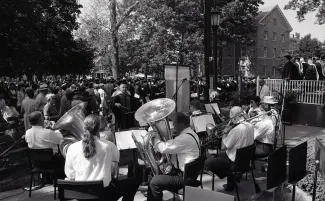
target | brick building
[{"x": 272, "y": 39}]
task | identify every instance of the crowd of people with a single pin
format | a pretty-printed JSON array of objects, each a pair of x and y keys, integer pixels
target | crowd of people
[
  {"x": 298, "y": 69},
  {"x": 93, "y": 157}
]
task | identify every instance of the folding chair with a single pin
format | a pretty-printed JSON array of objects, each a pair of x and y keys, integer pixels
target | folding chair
[
  {"x": 191, "y": 172},
  {"x": 81, "y": 190},
  {"x": 42, "y": 162}
]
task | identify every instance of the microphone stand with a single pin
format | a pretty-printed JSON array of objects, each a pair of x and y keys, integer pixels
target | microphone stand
[{"x": 174, "y": 97}]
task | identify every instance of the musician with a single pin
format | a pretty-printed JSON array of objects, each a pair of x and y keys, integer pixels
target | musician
[
  {"x": 38, "y": 137},
  {"x": 242, "y": 135},
  {"x": 254, "y": 106},
  {"x": 264, "y": 133},
  {"x": 195, "y": 110},
  {"x": 93, "y": 159},
  {"x": 184, "y": 149}
]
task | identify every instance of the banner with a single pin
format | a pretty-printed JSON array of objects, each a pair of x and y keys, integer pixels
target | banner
[{"x": 176, "y": 76}]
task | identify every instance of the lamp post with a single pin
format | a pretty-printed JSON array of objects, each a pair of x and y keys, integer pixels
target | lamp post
[
  {"x": 215, "y": 21},
  {"x": 207, "y": 47}
]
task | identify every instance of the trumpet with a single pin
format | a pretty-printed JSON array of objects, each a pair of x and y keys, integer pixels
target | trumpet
[{"x": 217, "y": 132}]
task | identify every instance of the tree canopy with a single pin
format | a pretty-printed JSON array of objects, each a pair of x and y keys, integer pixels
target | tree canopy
[
  {"x": 37, "y": 37},
  {"x": 310, "y": 47},
  {"x": 305, "y": 6},
  {"x": 161, "y": 32}
]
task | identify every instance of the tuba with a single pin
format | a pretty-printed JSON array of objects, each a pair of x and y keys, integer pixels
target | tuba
[
  {"x": 72, "y": 126},
  {"x": 155, "y": 114}
]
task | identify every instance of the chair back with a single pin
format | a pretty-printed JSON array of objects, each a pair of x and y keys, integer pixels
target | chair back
[
  {"x": 80, "y": 190},
  {"x": 244, "y": 157},
  {"x": 41, "y": 158},
  {"x": 192, "y": 170}
]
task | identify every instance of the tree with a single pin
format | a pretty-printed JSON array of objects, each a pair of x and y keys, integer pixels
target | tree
[
  {"x": 36, "y": 36},
  {"x": 309, "y": 47},
  {"x": 305, "y": 6}
]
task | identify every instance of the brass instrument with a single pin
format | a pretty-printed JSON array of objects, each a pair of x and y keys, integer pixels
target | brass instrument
[
  {"x": 72, "y": 126},
  {"x": 217, "y": 132},
  {"x": 155, "y": 113}
]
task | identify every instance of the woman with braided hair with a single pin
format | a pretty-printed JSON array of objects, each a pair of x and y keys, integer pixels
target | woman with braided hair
[{"x": 93, "y": 158}]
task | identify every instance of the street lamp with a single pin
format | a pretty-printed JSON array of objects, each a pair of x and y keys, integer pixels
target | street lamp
[{"x": 215, "y": 22}]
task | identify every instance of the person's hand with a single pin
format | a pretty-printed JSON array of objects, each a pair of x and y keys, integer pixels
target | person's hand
[{"x": 118, "y": 105}]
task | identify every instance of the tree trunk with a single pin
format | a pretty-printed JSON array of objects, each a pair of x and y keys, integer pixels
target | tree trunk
[{"x": 114, "y": 41}]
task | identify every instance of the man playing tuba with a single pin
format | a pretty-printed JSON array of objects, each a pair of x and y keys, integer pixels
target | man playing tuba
[{"x": 183, "y": 149}]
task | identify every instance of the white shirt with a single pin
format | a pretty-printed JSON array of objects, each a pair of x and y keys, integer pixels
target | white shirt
[
  {"x": 264, "y": 131},
  {"x": 102, "y": 96},
  {"x": 38, "y": 137},
  {"x": 98, "y": 167},
  {"x": 239, "y": 137},
  {"x": 183, "y": 145}
]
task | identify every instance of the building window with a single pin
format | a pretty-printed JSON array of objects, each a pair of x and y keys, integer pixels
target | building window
[
  {"x": 265, "y": 35},
  {"x": 282, "y": 38},
  {"x": 274, "y": 36},
  {"x": 274, "y": 71},
  {"x": 274, "y": 52},
  {"x": 264, "y": 70},
  {"x": 274, "y": 21},
  {"x": 265, "y": 51}
]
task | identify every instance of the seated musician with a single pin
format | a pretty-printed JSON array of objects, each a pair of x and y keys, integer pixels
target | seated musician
[
  {"x": 39, "y": 137},
  {"x": 186, "y": 146},
  {"x": 93, "y": 159},
  {"x": 242, "y": 135},
  {"x": 264, "y": 133},
  {"x": 195, "y": 110},
  {"x": 254, "y": 106}
]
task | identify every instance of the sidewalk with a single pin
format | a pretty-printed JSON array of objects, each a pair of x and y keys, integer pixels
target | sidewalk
[{"x": 246, "y": 187}]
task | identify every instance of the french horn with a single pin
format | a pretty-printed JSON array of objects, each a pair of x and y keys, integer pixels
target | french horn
[{"x": 155, "y": 114}]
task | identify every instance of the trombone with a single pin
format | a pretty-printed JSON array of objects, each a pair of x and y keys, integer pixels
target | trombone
[{"x": 217, "y": 132}]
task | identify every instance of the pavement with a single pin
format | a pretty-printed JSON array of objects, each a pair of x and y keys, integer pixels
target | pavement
[{"x": 246, "y": 187}]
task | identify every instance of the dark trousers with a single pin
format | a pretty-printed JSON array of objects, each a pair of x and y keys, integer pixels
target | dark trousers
[
  {"x": 126, "y": 188},
  {"x": 159, "y": 183},
  {"x": 262, "y": 149},
  {"x": 221, "y": 166}
]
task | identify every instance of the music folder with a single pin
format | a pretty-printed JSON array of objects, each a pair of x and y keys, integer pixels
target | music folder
[
  {"x": 125, "y": 141},
  {"x": 200, "y": 122}
]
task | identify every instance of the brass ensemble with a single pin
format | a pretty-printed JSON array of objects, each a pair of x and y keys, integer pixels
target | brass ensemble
[
  {"x": 217, "y": 132},
  {"x": 155, "y": 113}
]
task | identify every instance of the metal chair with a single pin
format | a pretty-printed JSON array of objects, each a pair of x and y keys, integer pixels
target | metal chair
[
  {"x": 244, "y": 157},
  {"x": 80, "y": 190},
  {"x": 42, "y": 162},
  {"x": 191, "y": 172}
]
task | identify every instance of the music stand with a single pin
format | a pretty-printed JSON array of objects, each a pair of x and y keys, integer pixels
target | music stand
[
  {"x": 277, "y": 168},
  {"x": 201, "y": 121},
  {"x": 124, "y": 142},
  {"x": 297, "y": 165}
]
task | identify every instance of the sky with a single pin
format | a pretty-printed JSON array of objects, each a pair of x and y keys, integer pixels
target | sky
[{"x": 305, "y": 27}]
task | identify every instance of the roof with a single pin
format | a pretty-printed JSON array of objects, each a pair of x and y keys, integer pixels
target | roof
[{"x": 263, "y": 15}]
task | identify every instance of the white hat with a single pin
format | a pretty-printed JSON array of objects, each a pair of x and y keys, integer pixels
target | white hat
[{"x": 269, "y": 100}]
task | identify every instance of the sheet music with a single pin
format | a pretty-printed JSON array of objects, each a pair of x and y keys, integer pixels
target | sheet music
[
  {"x": 212, "y": 108},
  {"x": 215, "y": 108},
  {"x": 200, "y": 122},
  {"x": 125, "y": 141}
]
